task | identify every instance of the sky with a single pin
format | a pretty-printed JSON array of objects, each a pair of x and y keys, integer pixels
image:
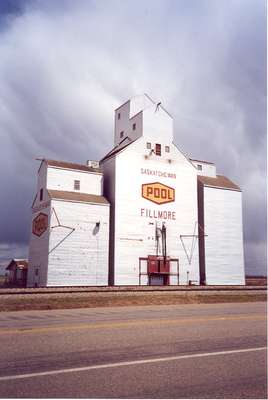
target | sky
[{"x": 66, "y": 65}]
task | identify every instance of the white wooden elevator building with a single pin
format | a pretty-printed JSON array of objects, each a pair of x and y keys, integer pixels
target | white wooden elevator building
[
  {"x": 145, "y": 215},
  {"x": 70, "y": 227}
]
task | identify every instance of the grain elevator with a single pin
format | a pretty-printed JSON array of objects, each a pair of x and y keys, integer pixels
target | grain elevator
[{"x": 144, "y": 215}]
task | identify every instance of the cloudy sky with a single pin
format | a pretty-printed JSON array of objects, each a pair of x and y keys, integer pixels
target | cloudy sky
[{"x": 66, "y": 65}]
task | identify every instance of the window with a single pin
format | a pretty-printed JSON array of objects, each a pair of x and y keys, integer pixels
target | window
[
  {"x": 167, "y": 149},
  {"x": 148, "y": 145},
  {"x": 36, "y": 271},
  {"x": 118, "y": 116},
  {"x": 121, "y": 134},
  {"x": 199, "y": 167},
  {"x": 158, "y": 149},
  {"x": 76, "y": 185},
  {"x": 41, "y": 195},
  {"x": 134, "y": 127}
]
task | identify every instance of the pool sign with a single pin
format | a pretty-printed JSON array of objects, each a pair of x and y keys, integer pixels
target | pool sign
[
  {"x": 158, "y": 193},
  {"x": 40, "y": 224}
]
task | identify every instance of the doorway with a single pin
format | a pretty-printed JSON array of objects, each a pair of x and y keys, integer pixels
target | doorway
[{"x": 158, "y": 280}]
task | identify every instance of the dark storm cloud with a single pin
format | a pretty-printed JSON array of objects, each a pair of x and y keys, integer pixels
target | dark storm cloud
[
  {"x": 66, "y": 65},
  {"x": 11, "y": 8}
]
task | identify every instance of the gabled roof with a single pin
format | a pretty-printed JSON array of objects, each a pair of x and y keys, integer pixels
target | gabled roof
[
  {"x": 220, "y": 182},
  {"x": 127, "y": 141},
  {"x": 201, "y": 161},
  {"x": 149, "y": 98},
  {"x": 122, "y": 145},
  {"x": 77, "y": 197},
  {"x": 68, "y": 165},
  {"x": 18, "y": 263}
]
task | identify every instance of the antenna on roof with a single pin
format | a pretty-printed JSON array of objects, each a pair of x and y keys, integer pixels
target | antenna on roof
[{"x": 157, "y": 106}]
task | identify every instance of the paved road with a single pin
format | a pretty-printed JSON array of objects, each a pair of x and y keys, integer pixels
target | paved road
[{"x": 183, "y": 351}]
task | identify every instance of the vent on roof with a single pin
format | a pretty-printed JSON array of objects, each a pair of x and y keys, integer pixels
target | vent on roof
[{"x": 93, "y": 164}]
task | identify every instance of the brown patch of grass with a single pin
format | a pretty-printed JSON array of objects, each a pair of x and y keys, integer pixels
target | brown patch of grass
[
  {"x": 2, "y": 281},
  {"x": 88, "y": 300}
]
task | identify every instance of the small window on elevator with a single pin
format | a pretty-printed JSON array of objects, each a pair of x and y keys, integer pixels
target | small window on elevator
[
  {"x": 118, "y": 116},
  {"x": 167, "y": 149},
  {"x": 148, "y": 145},
  {"x": 121, "y": 134},
  {"x": 199, "y": 167},
  {"x": 158, "y": 149},
  {"x": 76, "y": 185},
  {"x": 41, "y": 195},
  {"x": 134, "y": 127}
]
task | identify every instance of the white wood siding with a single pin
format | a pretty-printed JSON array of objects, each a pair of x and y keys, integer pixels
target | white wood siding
[
  {"x": 121, "y": 124},
  {"x": 109, "y": 170},
  {"x": 207, "y": 169},
  {"x": 125, "y": 124},
  {"x": 158, "y": 124},
  {"x": 42, "y": 177},
  {"x": 38, "y": 253},
  {"x": 63, "y": 179},
  {"x": 133, "y": 111},
  {"x": 78, "y": 250},
  {"x": 224, "y": 256},
  {"x": 138, "y": 121},
  {"x": 135, "y": 234},
  {"x": 38, "y": 246},
  {"x": 139, "y": 103}
]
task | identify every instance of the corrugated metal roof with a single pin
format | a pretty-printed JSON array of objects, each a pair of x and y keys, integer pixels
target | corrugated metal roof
[
  {"x": 68, "y": 165},
  {"x": 76, "y": 196},
  {"x": 220, "y": 182}
]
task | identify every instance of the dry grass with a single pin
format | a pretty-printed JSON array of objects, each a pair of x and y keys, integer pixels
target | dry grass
[
  {"x": 50, "y": 301},
  {"x": 2, "y": 280}
]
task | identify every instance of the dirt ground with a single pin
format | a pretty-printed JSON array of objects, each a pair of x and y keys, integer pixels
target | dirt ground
[{"x": 256, "y": 280}]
